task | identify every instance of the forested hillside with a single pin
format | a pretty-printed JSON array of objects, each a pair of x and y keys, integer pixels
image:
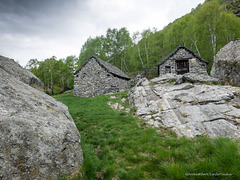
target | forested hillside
[
  {"x": 57, "y": 75},
  {"x": 205, "y": 30}
]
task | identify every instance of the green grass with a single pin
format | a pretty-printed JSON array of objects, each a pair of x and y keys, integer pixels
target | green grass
[{"x": 117, "y": 145}]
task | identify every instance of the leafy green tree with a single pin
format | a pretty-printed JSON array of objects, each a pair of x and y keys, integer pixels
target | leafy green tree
[
  {"x": 70, "y": 66},
  {"x": 205, "y": 30},
  {"x": 93, "y": 46},
  {"x": 112, "y": 48},
  {"x": 57, "y": 75},
  {"x": 209, "y": 16},
  {"x": 33, "y": 65}
]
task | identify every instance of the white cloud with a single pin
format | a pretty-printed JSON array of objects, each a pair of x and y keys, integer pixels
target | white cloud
[{"x": 62, "y": 30}]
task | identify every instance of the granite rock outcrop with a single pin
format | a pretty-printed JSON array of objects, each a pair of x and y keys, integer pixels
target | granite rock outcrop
[
  {"x": 13, "y": 68},
  {"x": 38, "y": 138},
  {"x": 226, "y": 65},
  {"x": 189, "y": 109}
]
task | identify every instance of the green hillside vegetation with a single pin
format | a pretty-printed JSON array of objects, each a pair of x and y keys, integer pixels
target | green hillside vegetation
[
  {"x": 205, "y": 30},
  {"x": 57, "y": 75},
  {"x": 231, "y": 5},
  {"x": 117, "y": 145}
]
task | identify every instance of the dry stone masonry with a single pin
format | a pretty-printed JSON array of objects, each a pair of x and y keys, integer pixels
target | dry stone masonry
[
  {"x": 181, "y": 61},
  {"x": 188, "y": 109},
  {"x": 97, "y": 77},
  {"x": 38, "y": 138},
  {"x": 226, "y": 66}
]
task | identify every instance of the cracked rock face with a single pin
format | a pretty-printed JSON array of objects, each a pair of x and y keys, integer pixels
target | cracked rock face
[
  {"x": 189, "y": 109},
  {"x": 226, "y": 65},
  {"x": 38, "y": 138},
  {"x": 13, "y": 68}
]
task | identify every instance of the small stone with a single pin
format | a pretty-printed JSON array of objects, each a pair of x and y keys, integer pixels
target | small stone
[
  {"x": 115, "y": 106},
  {"x": 127, "y": 110},
  {"x": 113, "y": 97},
  {"x": 120, "y": 107},
  {"x": 123, "y": 100}
]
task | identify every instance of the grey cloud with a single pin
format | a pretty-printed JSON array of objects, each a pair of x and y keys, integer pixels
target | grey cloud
[
  {"x": 32, "y": 28},
  {"x": 30, "y": 7},
  {"x": 36, "y": 16}
]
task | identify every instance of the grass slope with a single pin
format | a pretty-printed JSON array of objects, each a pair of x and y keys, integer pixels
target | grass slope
[{"x": 117, "y": 145}]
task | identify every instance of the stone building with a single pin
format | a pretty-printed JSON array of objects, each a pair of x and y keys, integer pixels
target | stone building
[
  {"x": 97, "y": 77},
  {"x": 182, "y": 60}
]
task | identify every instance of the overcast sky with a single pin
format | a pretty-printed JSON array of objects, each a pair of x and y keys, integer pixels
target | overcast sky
[{"x": 45, "y": 28}]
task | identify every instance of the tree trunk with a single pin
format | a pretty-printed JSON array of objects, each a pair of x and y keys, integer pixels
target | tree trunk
[
  {"x": 139, "y": 54},
  {"x": 51, "y": 84},
  {"x": 212, "y": 31},
  {"x": 194, "y": 41},
  {"x": 146, "y": 51}
]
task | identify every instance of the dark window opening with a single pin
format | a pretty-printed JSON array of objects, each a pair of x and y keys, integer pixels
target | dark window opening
[
  {"x": 167, "y": 69},
  {"x": 182, "y": 66}
]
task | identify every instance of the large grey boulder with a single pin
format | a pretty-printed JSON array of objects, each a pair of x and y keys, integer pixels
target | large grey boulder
[
  {"x": 226, "y": 66},
  {"x": 13, "y": 68},
  {"x": 166, "y": 78},
  {"x": 189, "y": 109},
  {"x": 196, "y": 78},
  {"x": 38, "y": 137},
  {"x": 187, "y": 77}
]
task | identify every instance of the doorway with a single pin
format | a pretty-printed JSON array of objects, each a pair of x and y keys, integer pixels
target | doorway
[{"x": 182, "y": 66}]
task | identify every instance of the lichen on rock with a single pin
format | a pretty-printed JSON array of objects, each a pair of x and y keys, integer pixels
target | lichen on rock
[
  {"x": 13, "y": 68},
  {"x": 226, "y": 65},
  {"x": 38, "y": 138},
  {"x": 189, "y": 109}
]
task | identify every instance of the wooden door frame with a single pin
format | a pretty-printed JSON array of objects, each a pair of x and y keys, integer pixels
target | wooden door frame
[{"x": 182, "y": 70}]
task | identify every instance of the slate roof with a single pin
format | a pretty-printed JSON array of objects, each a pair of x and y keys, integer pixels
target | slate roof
[
  {"x": 107, "y": 66},
  {"x": 188, "y": 50}
]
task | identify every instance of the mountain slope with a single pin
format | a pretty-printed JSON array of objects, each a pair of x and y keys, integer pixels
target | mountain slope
[{"x": 205, "y": 30}]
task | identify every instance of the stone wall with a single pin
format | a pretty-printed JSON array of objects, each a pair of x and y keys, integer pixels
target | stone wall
[
  {"x": 93, "y": 80},
  {"x": 170, "y": 63},
  {"x": 181, "y": 54},
  {"x": 195, "y": 65}
]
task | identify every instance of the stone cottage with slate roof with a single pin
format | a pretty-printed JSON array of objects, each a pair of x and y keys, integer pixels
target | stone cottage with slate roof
[
  {"x": 97, "y": 77},
  {"x": 182, "y": 60}
]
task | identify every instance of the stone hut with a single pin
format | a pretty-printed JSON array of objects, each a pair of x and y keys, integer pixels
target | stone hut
[
  {"x": 182, "y": 60},
  {"x": 97, "y": 77}
]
